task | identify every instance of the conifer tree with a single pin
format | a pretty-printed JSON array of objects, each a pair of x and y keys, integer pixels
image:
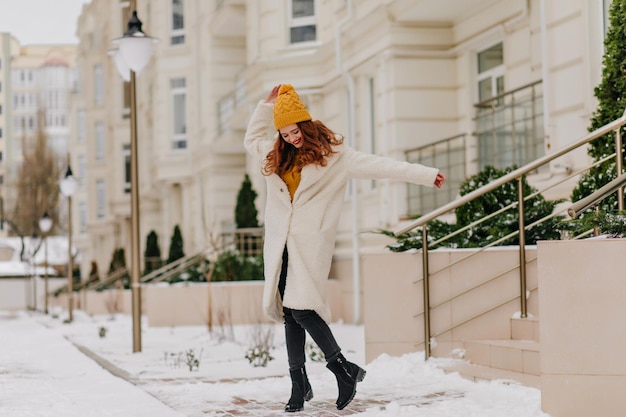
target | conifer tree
[
  {"x": 152, "y": 254},
  {"x": 611, "y": 95},
  {"x": 176, "y": 246},
  {"x": 245, "y": 211},
  {"x": 118, "y": 261}
]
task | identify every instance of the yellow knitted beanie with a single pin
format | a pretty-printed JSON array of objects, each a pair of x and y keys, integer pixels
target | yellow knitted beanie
[{"x": 288, "y": 108}]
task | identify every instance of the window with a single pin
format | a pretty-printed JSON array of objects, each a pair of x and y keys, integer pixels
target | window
[
  {"x": 82, "y": 169},
  {"x": 126, "y": 103},
  {"x": 82, "y": 218},
  {"x": 99, "y": 145},
  {"x": 0, "y": 108},
  {"x": 606, "y": 6},
  {"x": 178, "y": 23},
  {"x": 82, "y": 125},
  {"x": 226, "y": 108},
  {"x": 126, "y": 14},
  {"x": 98, "y": 84},
  {"x": 490, "y": 72},
  {"x": 0, "y": 132},
  {"x": 372, "y": 119},
  {"x": 126, "y": 154},
  {"x": 100, "y": 199},
  {"x": 179, "y": 113},
  {"x": 302, "y": 24}
]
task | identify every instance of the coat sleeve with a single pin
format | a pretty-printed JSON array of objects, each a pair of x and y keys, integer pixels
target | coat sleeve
[
  {"x": 257, "y": 140},
  {"x": 368, "y": 166}
]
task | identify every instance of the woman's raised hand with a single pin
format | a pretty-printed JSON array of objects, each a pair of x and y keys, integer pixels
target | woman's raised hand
[
  {"x": 273, "y": 94},
  {"x": 440, "y": 180}
]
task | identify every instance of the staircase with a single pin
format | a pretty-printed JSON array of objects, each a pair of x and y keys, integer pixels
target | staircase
[{"x": 515, "y": 359}]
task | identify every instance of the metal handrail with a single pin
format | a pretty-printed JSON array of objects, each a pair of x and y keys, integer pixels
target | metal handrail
[
  {"x": 172, "y": 266},
  {"x": 597, "y": 196},
  {"x": 516, "y": 175},
  {"x": 110, "y": 279}
]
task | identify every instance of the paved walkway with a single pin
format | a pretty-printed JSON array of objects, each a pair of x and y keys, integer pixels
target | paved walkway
[
  {"x": 240, "y": 407},
  {"x": 27, "y": 349}
]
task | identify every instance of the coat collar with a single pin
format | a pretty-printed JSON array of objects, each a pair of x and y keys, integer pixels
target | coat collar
[{"x": 312, "y": 173}]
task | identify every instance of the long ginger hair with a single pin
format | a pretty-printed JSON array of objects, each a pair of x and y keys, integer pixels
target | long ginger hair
[{"x": 317, "y": 142}]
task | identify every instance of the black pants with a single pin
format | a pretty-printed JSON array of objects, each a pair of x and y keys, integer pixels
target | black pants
[{"x": 299, "y": 321}]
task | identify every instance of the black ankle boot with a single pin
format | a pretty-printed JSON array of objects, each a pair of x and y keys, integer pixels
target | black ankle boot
[
  {"x": 348, "y": 374},
  {"x": 301, "y": 390}
]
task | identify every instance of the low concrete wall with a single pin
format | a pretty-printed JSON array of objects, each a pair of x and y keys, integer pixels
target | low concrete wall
[
  {"x": 21, "y": 293},
  {"x": 189, "y": 304},
  {"x": 582, "y": 295}
]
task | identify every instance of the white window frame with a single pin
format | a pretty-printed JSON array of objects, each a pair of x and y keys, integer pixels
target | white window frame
[
  {"x": 81, "y": 121},
  {"x": 225, "y": 108},
  {"x": 126, "y": 176},
  {"x": 99, "y": 141},
  {"x": 82, "y": 217},
  {"x": 296, "y": 22},
  {"x": 82, "y": 169},
  {"x": 98, "y": 79},
  {"x": 177, "y": 35},
  {"x": 100, "y": 199},
  {"x": 494, "y": 73},
  {"x": 179, "y": 139},
  {"x": 371, "y": 92},
  {"x": 606, "y": 6}
]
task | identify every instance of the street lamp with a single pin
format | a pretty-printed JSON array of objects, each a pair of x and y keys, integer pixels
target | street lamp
[
  {"x": 68, "y": 187},
  {"x": 45, "y": 224},
  {"x": 134, "y": 51}
]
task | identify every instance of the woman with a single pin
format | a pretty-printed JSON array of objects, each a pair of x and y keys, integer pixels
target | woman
[{"x": 307, "y": 168}]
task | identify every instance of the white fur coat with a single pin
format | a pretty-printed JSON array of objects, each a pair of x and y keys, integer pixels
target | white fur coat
[{"x": 308, "y": 224}]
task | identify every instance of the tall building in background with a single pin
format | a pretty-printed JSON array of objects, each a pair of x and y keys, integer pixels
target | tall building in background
[
  {"x": 35, "y": 86},
  {"x": 39, "y": 81},
  {"x": 7, "y": 45}
]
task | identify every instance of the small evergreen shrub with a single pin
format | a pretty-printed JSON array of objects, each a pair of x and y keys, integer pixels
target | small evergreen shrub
[
  {"x": 245, "y": 210},
  {"x": 176, "y": 246},
  {"x": 152, "y": 254},
  {"x": 233, "y": 266}
]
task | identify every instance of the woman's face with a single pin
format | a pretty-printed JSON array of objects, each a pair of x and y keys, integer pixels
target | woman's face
[{"x": 292, "y": 134}]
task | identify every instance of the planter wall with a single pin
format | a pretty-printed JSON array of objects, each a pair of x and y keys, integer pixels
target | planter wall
[{"x": 582, "y": 296}]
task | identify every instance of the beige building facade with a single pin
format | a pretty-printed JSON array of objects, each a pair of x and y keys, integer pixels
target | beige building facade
[{"x": 452, "y": 84}]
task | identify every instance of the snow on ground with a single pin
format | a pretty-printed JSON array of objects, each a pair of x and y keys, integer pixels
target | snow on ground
[{"x": 46, "y": 369}]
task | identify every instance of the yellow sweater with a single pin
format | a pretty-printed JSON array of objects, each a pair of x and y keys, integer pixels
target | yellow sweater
[{"x": 292, "y": 179}]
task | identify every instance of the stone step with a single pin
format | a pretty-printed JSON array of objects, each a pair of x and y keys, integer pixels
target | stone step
[
  {"x": 484, "y": 373},
  {"x": 510, "y": 355},
  {"x": 525, "y": 329}
]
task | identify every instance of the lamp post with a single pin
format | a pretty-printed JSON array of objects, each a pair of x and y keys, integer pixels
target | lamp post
[
  {"x": 68, "y": 187},
  {"x": 45, "y": 224},
  {"x": 133, "y": 53},
  {"x": 33, "y": 269}
]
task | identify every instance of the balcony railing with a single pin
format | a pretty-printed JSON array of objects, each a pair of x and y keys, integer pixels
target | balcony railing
[
  {"x": 509, "y": 127},
  {"x": 449, "y": 155}
]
